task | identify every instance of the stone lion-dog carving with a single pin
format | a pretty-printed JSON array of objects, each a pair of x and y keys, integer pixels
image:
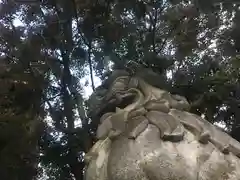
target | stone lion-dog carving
[{"x": 146, "y": 133}]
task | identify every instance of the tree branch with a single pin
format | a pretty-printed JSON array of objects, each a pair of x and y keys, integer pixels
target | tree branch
[
  {"x": 90, "y": 67},
  {"x": 154, "y": 29},
  {"x": 51, "y": 98},
  {"x": 86, "y": 42},
  {"x": 170, "y": 34}
]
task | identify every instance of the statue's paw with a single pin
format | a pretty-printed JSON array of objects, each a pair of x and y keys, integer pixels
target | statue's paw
[{"x": 204, "y": 137}]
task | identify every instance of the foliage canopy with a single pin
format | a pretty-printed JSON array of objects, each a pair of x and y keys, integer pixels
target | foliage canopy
[{"x": 44, "y": 60}]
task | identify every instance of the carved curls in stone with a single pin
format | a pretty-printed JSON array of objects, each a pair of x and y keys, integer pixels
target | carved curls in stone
[
  {"x": 170, "y": 128},
  {"x": 179, "y": 102},
  {"x": 220, "y": 139},
  {"x": 113, "y": 76},
  {"x": 137, "y": 112},
  {"x": 150, "y": 92},
  {"x": 191, "y": 123},
  {"x": 118, "y": 85},
  {"x": 135, "y": 126},
  {"x": 158, "y": 105},
  {"x": 114, "y": 124},
  {"x": 137, "y": 101}
]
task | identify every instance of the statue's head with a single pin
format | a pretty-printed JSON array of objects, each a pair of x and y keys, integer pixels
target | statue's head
[
  {"x": 115, "y": 90},
  {"x": 104, "y": 98},
  {"x": 133, "y": 94}
]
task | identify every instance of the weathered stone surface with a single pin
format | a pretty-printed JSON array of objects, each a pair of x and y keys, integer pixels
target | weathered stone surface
[{"x": 146, "y": 133}]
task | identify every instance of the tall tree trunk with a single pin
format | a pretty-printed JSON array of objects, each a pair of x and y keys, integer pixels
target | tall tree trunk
[
  {"x": 90, "y": 65},
  {"x": 66, "y": 47}
]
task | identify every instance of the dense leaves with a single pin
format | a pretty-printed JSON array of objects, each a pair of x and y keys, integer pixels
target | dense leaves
[
  {"x": 51, "y": 49},
  {"x": 21, "y": 110}
]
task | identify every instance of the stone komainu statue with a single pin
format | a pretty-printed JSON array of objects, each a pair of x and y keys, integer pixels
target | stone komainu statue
[{"x": 146, "y": 133}]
